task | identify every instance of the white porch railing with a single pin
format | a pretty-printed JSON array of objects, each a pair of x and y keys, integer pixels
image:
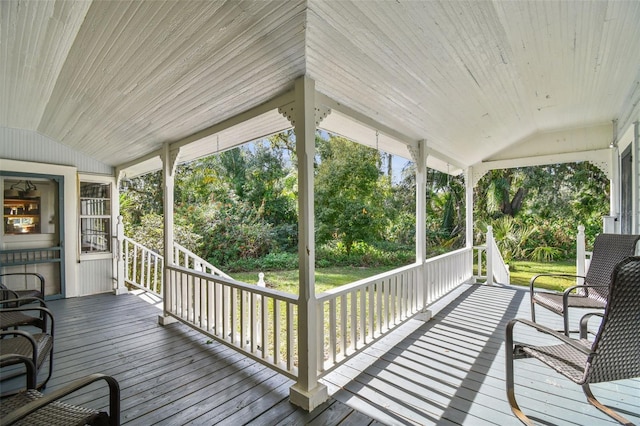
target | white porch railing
[
  {"x": 445, "y": 272},
  {"x": 263, "y": 323},
  {"x": 257, "y": 321},
  {"x": 490, "y": 264},
  {"x": 187, "y": 259},
  {"x": 354, "y": 315},
  {"x": 143, "y": 268}
]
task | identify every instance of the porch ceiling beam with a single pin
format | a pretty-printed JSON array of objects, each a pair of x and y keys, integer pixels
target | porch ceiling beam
[
  {"x": 411, "y": 143},
  {"x": 599, "y": 157},
  {"x": 149, "y": 156},
  {"x": 272, "y": 104}
]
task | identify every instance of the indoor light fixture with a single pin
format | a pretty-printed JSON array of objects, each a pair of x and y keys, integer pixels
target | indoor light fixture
[{"x": 26, "y": 187}]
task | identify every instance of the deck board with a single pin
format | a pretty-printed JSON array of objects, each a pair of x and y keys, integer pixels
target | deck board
[{"x": 447, "y": 371}]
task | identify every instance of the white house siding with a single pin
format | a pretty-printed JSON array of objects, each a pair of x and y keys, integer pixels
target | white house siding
[
  {"x": 30, "y": 152},
  {"x": 27, "y": 145},
  {"x": 95, "y": 276}
]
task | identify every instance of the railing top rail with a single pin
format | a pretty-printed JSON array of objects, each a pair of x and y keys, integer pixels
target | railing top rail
[
  {"x": 201, "y": 260},
  {"x": 448, "y": 254},
  {"x": 347, "y": 288},
  {"x": 142, "y": 247},
  {"x": 263, "y": 291}
]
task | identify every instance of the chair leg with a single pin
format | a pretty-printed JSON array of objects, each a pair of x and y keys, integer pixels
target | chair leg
[
  {"x": 608, "y": 411},
  {"x": 533, "y": 310},
  {"x": 511, "y": 393}
]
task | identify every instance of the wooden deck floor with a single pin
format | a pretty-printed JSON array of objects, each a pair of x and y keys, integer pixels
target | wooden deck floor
[{"x": 449, "y": 370}]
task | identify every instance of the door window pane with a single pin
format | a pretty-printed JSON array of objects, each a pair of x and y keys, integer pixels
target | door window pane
[{"x": 95, "y": 217}]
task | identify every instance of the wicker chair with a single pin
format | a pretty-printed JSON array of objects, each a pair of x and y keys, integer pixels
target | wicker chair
[
  {"x": 15, "y": 319},
  {"x": 31, "y": 285},
  {"x": 36, "y": 346},
  {"x": 608, "y": 250},
  {"x": 613, "y": 355},
  {"x": 33, "y": 408}
]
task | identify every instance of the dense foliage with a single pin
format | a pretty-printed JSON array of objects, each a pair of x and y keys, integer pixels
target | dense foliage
[
  {"x": 238, "y": 209},
  {"x": 535, "y": 211}
]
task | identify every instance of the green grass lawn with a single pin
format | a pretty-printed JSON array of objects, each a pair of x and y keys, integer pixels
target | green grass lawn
[
  {"x": 328, "y": 278},
  {"x": 522, "y": 271}
]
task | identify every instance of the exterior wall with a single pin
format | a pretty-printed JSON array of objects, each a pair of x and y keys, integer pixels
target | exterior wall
[
  {"x": 69, "y": 239},
  {"x": 96, "y": 270},
  {"x": 27, "y": 145},
  {"x": 28, "y": 151},
  {"x": 630, "y": 141}
]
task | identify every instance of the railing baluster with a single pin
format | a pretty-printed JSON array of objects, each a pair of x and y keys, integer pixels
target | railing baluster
[
  {"x": 276, "y": 332},
  {"x": 265, "y": 323},
  {"x": 333, "y": 351},
  {"x": 354, "y": 319},
  {"x": 343, "y": 325},
  {"x": 363, "y": 315}
]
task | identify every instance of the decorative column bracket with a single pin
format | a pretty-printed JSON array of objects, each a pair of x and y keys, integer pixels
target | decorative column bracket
[{"x": 288, "y": 112}]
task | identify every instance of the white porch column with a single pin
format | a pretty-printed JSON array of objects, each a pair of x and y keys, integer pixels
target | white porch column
[
  {"x": 120, "y": 287},
  {"x": 490, "y": 255},
  {"x": 307, "y": 392},
  {"x": 169, "y": 160},
  {"x": 468, "y": 192},
  {"x": 580, "y": 255},
  {"x": 420, "y": 158}
]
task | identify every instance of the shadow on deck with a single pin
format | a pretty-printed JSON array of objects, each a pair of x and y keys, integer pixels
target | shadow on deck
[{"x": 449, "y": 370}]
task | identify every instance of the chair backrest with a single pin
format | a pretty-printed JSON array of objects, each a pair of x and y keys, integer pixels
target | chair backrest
[
  {"x": 608, "y": 251},
  {"x": 617, "y": 343}
]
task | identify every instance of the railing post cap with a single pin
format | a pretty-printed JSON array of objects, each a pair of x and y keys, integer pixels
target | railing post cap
[{"x": 580, "y": 228}]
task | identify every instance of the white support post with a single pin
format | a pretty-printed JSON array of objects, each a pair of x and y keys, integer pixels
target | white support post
[
  {"x": 169, "y": 161},
  {"x": 489, "y": 255},
  {"x": 468, "y": 188},
  {"x": 420, "y": 158},
  {"x": 120, "y": 286},
  {"x": 580, "y": 255},
  {"x": 307, "y": 392}
]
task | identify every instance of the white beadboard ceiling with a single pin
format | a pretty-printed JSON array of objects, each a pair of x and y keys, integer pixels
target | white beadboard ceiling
[{"x": 478, "y": 80}]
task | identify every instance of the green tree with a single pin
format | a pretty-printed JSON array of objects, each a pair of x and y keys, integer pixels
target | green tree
[{"x": 349, "y": 207}]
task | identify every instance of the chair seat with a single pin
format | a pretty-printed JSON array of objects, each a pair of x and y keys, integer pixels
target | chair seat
[
  {"x": 11, "y": 319},
  {"x": 56, "y": 413},
  {"x": 563, "y": 358},
  {"x": 29, "y": 293},
  {"x": 21, "y": 346},
  {"x": 553, "y": 301}
]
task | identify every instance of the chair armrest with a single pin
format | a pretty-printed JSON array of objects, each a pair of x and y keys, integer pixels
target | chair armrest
[
  {"x": 23, "y": 299},
  {"x": 560, "y": 336},
  {"x": 12, "y": 359},
  {"x": 535, "y": 277},
  {"x": 35, "y": 274},
  {"x": 44, "y": 311},
  {"x": 568, "y": 290},
  {"x": 29, "y": 337},
  {"x": 6, "y": 292},
  {"x": 114, "y": 399},
  {"x": 584, "y": 322}
]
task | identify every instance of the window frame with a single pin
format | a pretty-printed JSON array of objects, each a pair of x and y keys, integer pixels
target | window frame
[{"x": 110, "y": 216}]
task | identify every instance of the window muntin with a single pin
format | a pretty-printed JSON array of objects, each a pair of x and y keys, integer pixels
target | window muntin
[{"x": 95, "y": 217}]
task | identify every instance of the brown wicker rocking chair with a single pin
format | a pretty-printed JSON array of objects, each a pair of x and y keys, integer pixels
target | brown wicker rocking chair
[
  {"x": 608, "y": 250},
  {"x": 29, "y": 285},
  {"x": 33, "y": 408},
  {"x": 18, "y": 337},
  {"x": 613, "y": 355}
]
